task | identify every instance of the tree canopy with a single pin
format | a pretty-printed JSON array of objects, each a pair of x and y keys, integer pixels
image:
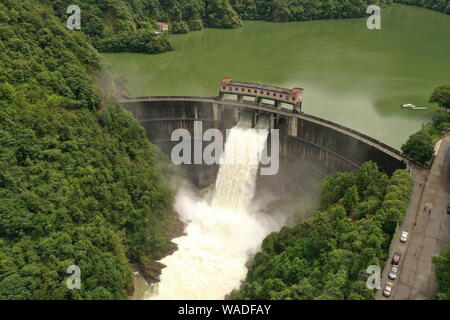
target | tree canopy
[
  {"x": 326, "y": 256},
  {"x": 419, "y": 147},
  {"x": 441, "y": 96},
  {"x": 80, "y": 184},
  {"x": 111, "y": 26}
]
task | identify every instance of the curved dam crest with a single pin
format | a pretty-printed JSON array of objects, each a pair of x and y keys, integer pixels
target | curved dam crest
[{"x": 310, "y": 147}]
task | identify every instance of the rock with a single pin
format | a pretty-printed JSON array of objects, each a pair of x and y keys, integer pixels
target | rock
[{"x": 152, "y": 271}]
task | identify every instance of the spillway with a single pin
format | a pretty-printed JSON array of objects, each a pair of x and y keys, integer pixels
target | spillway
[
  {"x": 221, "y": 234},
  {"x": 235, "y": 185}
]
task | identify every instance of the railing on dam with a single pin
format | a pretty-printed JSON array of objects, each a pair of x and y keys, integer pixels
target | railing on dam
[{"x": 322, "y": 122}]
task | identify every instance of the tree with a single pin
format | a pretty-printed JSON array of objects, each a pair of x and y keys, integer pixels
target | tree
[
  {"x": 7, "y": 92},
  {"x": 419, "y": 147},
  {"x": 179, "y": 27},
  {"x": 220, "y": 14},
  {"x": 350, "y": 199},
  {"x": 440, "y": 118},
  {"x": 441, "y": 96}
]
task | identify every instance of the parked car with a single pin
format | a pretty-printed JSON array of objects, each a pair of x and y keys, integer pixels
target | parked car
[
  {"x": 404, "y": 236},
  {"x": 393, "y": 274},
  {"x": 396, "y": 258},
  {"x": 388, "y": 289}
]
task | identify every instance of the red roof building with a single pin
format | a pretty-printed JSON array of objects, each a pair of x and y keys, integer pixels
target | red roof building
[
  {"x": 162, "y": 26},
  {"x": 261, "y": 92}
]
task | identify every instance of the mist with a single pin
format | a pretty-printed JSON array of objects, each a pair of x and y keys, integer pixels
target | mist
[{"x": 223, "y": 230}]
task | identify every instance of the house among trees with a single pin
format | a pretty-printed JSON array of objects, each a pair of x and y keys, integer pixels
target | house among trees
[{"x": 162, "y": 26}]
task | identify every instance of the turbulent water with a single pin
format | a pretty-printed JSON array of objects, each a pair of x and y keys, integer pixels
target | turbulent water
[
  {"x": 221, "y": 235},
  {"x": 235, "y": 185}
]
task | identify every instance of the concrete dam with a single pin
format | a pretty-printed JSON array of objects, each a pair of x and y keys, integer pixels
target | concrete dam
[{"x": 310, "y": 147}]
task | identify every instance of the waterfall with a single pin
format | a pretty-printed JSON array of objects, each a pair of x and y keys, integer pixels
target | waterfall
[
  {"x": 235, "y": 184},
  {"x": 221, "y": 235}
]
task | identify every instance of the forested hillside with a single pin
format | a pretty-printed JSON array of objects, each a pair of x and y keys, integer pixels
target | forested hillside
[
  {"x": 302, "y": 10},
  {"x": 118, "y": 25},
  {"x": 79, "y": 182},
  {"x": 326, "y": 257}
]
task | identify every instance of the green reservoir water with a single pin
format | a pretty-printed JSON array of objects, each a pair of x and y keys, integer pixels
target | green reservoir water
[{"x": 352, "y": 76}]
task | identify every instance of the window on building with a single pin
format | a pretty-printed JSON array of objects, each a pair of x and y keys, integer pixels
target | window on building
[
  {"x": 274, "y": 94},
  {"x": 243, "y": 90},
  {"x": 249, "y": 91},
  {"x": 236, "y": 89},
  {"x": 256, "y": 91}
]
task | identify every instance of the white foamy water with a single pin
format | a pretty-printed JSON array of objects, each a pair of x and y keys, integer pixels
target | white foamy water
[{"x": 220, "y": 237}]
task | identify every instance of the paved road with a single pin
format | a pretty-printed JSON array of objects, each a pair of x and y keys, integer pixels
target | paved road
[{"x": 429, "y": 233}]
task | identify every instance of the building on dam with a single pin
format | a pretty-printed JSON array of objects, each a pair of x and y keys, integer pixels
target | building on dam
[{"x": 281, "y": 98}]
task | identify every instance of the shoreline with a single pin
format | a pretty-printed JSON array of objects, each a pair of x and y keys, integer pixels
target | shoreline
[{"x": 148, "y": 274}]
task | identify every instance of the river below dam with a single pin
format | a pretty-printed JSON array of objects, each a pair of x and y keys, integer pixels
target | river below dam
[
  {"x": 222, "y": 231},
  {"x": 352, "y": 76}
]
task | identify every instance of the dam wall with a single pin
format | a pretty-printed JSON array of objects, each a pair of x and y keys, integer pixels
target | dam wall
[{"x": 310, "y": 147}]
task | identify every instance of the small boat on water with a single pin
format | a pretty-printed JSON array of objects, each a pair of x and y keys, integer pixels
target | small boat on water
[{"x": 412, "y": 107}]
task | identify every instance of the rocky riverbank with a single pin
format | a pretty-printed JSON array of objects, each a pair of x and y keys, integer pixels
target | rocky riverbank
[
  {"x": 151, "y": 271},
  {"x": 147, "y": 274}
]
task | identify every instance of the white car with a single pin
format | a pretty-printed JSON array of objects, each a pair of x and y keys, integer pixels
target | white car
[
  {"x": 393, "y": 274},
  {"x": 388, "y": 289},
  {"x": 404, "y": 236}
]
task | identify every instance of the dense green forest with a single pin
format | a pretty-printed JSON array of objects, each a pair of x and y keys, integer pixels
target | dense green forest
[
  {"x": 302, "y": 10},
  {"x": 118, "y": 25},
  {"x": 79, "y": 181},
  {"x": 326, "y": 257}
]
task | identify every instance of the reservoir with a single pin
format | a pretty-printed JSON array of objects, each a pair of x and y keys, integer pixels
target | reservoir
[{"x": 352, "y": 75}]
